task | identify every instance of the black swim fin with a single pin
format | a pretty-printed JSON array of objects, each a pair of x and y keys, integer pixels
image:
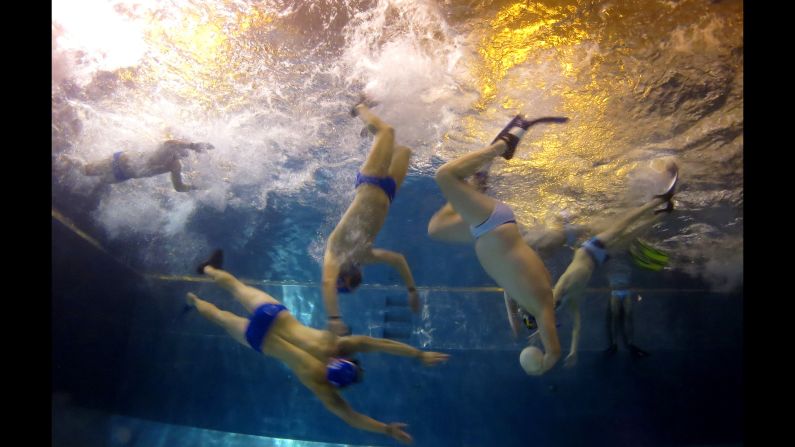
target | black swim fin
[
  {"x": 669, "y": 192},
  {"x": 548, "y": 119},
  {"x": 519, "y": 121},
  {"x": 216, "y": 260},
  {"x": 668, "y": 195}
]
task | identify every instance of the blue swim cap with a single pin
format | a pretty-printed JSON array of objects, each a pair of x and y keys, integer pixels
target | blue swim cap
[
  {"x": 341, "y": 372},
  {"x": 349, "y": 279}
]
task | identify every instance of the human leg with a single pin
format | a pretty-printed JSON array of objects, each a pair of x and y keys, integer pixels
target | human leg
[
  {"x": 399, "y": 165},
  {"x": 234, "y": 325},
  {"x": 447, "y": 225},
  {"x": 250, "y": 297},
  {"x": 380, "y": 156},
  {"x": 473, "y": 206},
  {"x": 628, "y": 324},
  {"x": 612, "y": 321}
]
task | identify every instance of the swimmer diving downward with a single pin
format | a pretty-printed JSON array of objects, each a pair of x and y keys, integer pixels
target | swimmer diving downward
[
  {"x": 350, "y": 245},
  {"x": 469, "y": 215},
  {"x": 322, "y": 361}
]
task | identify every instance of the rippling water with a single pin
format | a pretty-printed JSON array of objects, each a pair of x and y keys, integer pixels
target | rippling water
[{"x": 270, "y": 84}]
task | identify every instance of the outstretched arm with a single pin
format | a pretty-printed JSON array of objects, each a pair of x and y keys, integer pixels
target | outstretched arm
[
  {"x": 336, "y": 404},
  {"x": 611, "y": 235},
  {"x": 549, "y": 337},
  {"x": 331, "y": 270},
  {"x": 398, "y": 262},
  {"x": 567, "y": 294},
  {"x": 641, "y": 227},
  {"x": 176, "y": 177},
  {"x": 184, "y": 144},
  {"x": 574, "y": 307},
  {"x": 363, "y": 343}
]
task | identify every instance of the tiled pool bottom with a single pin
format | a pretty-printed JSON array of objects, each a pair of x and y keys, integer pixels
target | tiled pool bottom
[{"x": 74, "y": 426}]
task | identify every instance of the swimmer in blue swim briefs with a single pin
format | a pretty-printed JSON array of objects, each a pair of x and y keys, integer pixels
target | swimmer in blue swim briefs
[
  {"x": 620, "y": 308},
  {"x": 322, "y": 361},
  {"x": 126, "y": 165},
  {"x": 350, "y": 245},
  {"x": 471, "y": 216},
  {"x": 570, "y": 289}
]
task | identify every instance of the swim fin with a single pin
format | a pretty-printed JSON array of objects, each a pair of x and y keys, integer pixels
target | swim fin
[
  {"x": 215, "y": 260},
  {"x": 673, "y": 169},
  {"x": 648, "y": 257},
  {"x": 519, "y": 121}
]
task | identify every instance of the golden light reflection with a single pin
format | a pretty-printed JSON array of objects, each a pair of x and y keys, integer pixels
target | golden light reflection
[
  {"x": 592, "y": 62},
  {"x": 526, "y": 34},
  {"x": 516, "y": 33},
  {"x": 597, "y": 61},
  {"x": 207, "y": 54}
]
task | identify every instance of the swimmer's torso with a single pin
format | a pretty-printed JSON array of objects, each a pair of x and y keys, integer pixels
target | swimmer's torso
[
  {"x": 576, "y": 276},
  {"x": 138, "y": 164},
  {"x": 303, "y": 349},
  {"x": 146, "y": 164},
  {"x": 358, "y": 227},
  {"x": 515, "y": 267}
]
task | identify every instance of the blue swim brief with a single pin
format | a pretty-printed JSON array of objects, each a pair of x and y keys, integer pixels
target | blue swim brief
[
  {"x": 620, "y": 294},
  {"x": 502, "y": 214},
  {"x": 387, "y": 184},
  {"x": 118, "y": 172},
  {"x": 597, "y": 250},
  {"x": 260, "y": 322}
]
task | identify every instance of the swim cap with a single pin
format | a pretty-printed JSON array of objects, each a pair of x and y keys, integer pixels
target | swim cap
[
  {"x": 341, "y": 372},
  {"x": 349, "y": 279}
]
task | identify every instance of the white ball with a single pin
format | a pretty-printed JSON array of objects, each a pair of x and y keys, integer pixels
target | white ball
[{"x": 532, "y": 360}]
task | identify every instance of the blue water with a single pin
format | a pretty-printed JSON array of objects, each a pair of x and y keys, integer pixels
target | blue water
[
  {"x": 270, "y": 84},
  {"x": 120, "y": 349}
]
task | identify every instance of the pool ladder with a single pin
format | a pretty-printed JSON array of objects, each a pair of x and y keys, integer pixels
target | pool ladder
[{"x": 398, "y": 321}]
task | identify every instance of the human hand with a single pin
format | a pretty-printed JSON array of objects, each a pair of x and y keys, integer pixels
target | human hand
[
  {"x": 414, "y": 300},
  {"x": 338, "y": 327},
  {"x": 395, "y": 430},
  {"x": 570, "y": 360},
  {"x": 201, "y": 147},
  {"x": 429, "y": 358}
]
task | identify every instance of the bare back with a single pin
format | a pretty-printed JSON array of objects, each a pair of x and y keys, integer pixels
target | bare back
[
  {"x": 147, "y": 164},
  {"x": 304, "y": 350},
  {"x": 360, "y": 224}
]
